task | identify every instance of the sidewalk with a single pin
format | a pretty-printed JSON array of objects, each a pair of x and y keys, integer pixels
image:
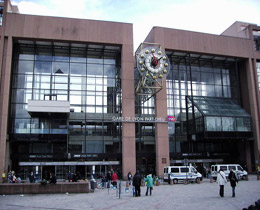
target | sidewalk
[{"x": 166, "y": 197}]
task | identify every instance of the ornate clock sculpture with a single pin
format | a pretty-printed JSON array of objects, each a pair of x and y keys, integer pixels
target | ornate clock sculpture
[{"x": 153, "y": 66}]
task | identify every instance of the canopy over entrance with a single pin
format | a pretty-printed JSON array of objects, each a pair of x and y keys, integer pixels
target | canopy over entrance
[{"x": 217, "y": 118}]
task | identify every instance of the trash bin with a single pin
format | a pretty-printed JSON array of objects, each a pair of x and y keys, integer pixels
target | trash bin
[{"x": 92, "y": 185}]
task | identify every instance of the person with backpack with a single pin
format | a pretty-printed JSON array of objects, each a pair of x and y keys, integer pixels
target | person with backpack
[
  {"x": 233, "y": 181},
  {"x": 221, "y": 180}
]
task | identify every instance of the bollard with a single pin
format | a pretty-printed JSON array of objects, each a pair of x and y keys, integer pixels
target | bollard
[
  {"x": 127, "y": 184},
  {"x": 257, "y": 176},
  {"x": 171, "y": 182},
  {"x": 211, "y": 180},
  {"x": 246, "y": 178},
  {"x": 198, "y": 180},
  {"x": 157, "y": 183}
]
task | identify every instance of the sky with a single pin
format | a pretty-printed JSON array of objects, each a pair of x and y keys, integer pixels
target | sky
[{"x": 207, "y": 16}]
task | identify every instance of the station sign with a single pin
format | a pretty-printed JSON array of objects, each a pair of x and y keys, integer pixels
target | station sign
[{"x": 171, "y": 119}]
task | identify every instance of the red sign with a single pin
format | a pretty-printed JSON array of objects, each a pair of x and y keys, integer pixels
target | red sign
[{"x": 171, "y": 119}]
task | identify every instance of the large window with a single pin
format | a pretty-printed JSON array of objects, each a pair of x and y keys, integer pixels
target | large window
[
  {"x": 258, "y": 72},
  {"x": 87, "y": 75},
  {"x": 256, "y": 35},
  {"x": 197, "y": 75},
  {"x": 1, "y": 15}
]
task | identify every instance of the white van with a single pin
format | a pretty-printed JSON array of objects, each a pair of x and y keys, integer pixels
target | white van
[
  {"x": 177, "y": 173},
  {"x": 240, "y": 172}
]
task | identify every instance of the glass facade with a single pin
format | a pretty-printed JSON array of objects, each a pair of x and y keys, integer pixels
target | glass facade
[
  {"x": 87, "y": 75},
  {"x": 217, "y": 115},
  {"x": 258, "y": 73},
  {"x": 145, "y": 136},
  {"x": 198, "y": 75},
  {"x": 1, "y": 14},
  {"x": 256, "y": 35}
]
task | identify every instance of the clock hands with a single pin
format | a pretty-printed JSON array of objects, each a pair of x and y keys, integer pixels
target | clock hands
[{"x": 154, "y": 61}]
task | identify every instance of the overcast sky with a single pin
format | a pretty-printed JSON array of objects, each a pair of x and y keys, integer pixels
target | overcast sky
[{"x": 208, "y": 16}]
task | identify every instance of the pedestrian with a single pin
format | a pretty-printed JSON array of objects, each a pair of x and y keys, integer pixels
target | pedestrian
[
  {"x": 53, "y": 178},
  {"x": 149, "y": 184},
  {"x": 208, "y": 173},
  {"x": 9, "y": 177},
  {"x": 137, "y": 183},
  {"x": 13, "y": 177},
  {"x": 70, "y": 176},
  {"x": 233, "y": 181},
  {"x": 221, "y": 180},
  {"x": 103, "y": 180},
  {"x": 74, "y": 177},
  {"x": 31, "y": 177},
  {"x": 245, "y": 168},
  {"x": 114, "y": 179},
  {"x": 108, "y": 179},
  {"x": 129, "y": 176}
]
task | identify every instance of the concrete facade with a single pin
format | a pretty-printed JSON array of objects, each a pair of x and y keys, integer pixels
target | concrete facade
[
  {"x": 232, "y": 43},
  {"x": 67, "y": 29}
]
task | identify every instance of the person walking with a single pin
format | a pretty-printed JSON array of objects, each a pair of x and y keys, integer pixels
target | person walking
[
  {"x": 221, "y": 180},
  {"x": 103, "y": 180},
  {"x": 137, "y": 183},
  {"x": 233, "y": 181},
  {"x": 149, "y": 184}
]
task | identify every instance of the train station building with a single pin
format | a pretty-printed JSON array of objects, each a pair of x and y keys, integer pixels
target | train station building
[{"x": 74, "y": 96}]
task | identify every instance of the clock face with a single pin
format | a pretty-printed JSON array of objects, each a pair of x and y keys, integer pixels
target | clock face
[{"x": 153, "y": 63}]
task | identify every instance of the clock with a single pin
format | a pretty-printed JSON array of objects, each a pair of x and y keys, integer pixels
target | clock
[{"x": 153, "y": 63}]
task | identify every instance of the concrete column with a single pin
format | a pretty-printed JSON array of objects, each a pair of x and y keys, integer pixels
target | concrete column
[
  {"x": 161, "y": 131},
  {"x": 4, "y": 101},
  {"x": 128, "y": 111},
  {"x": 248, "y": 156},
  {"x": 253, "y": 100}
]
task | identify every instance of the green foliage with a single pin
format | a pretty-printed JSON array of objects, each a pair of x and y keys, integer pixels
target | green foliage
[{"x": 43, "y": 182}]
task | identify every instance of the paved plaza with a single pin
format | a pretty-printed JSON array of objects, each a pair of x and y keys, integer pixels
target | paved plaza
[{"x": 194, "y": 196}]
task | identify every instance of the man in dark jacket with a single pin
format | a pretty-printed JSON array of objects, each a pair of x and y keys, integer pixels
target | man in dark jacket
[
  {"x": 108, "y": 179},
  {"x": 31, "y": 177},
  {"x": 137, "y": 183},
  {"x": 233, "y": 181}
]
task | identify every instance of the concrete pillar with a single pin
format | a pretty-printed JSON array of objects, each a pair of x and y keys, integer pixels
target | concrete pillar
[
  {"x": 161, "y": 131},
  {"x": 248, "y": 156},
  {"x": 253, "y": 91},
  {"x": 128, "y": 111},
  {"x": 4, "y": 101}
]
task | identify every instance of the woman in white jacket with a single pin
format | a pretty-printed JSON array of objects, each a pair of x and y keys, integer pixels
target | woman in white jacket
[{"x": 221, "y": 180}]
